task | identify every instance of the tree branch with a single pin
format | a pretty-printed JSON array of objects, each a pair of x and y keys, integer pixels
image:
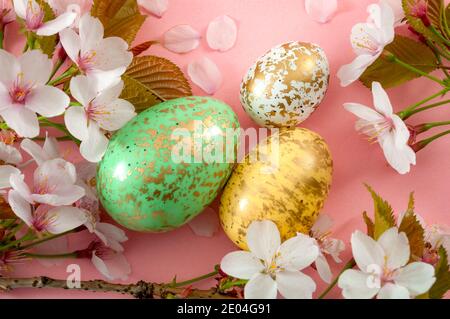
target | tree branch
[{"x": 139, "y": 290}]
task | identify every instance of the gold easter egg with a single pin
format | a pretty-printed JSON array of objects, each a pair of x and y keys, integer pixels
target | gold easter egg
[
  {"x": 286, "y": 85},
  {"x": 285, "y": 179}
]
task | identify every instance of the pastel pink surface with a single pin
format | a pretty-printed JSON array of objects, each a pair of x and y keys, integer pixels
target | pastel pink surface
[{"x": 263, "y": 24}]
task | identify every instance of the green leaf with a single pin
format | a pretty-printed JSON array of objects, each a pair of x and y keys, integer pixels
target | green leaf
[
  {"x": 384, "y": 216},
  {"x": 442, "y": 273},
  {"x": 391, "y": 74},
  {"x": 121, "y": 18},
  {"x": 411, "y": 226},
  {"x": 150, "y": 80},
  {"x": 369, "y": 224}
]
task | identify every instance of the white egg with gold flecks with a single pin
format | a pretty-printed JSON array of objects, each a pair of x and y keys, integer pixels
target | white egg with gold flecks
[{"x": 286, "y": 85}]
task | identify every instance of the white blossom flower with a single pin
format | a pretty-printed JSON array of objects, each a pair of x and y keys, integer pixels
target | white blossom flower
[
  {"x": 33, "y": 15},
  {"x": 384, "y": 269},
  {"x": 79, "y": 7},
  {"x": 321, "y": 232},
  {"x": 53, "y": 184},
  {"x": 54, "y": 220},
  {"x": 105, "y": 59},
  {"x": 386, "y": 127},
  {"x": 101, "y": 111},
  {"x": 23, "y": 92},
  {"x": 368, "y": 41},
  {"x": 48, "y": 151},
  {"x": 272, "y": 266}
]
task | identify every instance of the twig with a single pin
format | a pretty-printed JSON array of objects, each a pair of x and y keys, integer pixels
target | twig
[{"x": 139, "y": 290}]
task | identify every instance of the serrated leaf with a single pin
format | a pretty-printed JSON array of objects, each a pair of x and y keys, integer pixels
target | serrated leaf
[
  {"x": 411, "y": 226},
  {"x": 442, "y": 273},
  {"x": 140, "y": 48},
  {"x": 121, "y": 18},
  {"x": 391, "y": 74},
  {"x": 369, "y": 224},
  {"x": 411, "y": 202},
  {"x": 138, "y": 94},
  {"x": 384, "y": 215},
  {"x": 155, "y": 76}
]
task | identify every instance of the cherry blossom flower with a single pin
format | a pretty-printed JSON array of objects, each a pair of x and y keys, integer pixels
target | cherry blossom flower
[
  {"x": 53, "y": 184},
  {"x": 321, "y": 232},
  {"x": 100, "y": 111},
  {"x": 33, "y": 15},
  {"x": 386, "y": 127},
  {"x": 272, "y": 266},
  {"x": 111, "y": 235},
  {"x": 181, "y": 39},
  {"x": 221, "y": 33},
  {"x": 205, "y": 74},
  {"x": 23, "y": 92},
  {"x": 7, "y": 14},
  {"x": 156, "y": 7},
  {"x": 46, "y": 219},
  {"x": 79, "y": 7},
  {"x": 48, "y": 151},
  {"x": 111, "y": 264},
  {"x": 9, "y": 154},
  {"x": 321, "y": 10},
  {"x": 104, "y": 59},
  {"x": 384, "y": 269},
  {"x": 368, "y": 41},
  {"x": 6, "y": 171}
]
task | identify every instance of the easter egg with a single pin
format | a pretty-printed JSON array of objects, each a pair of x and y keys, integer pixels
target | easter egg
[
  {"x": 286, "y": 84},
  {"x": 285, "y": 179},
  {"x": 168, "y": 163}
]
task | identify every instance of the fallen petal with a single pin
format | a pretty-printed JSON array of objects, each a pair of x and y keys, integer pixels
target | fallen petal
[
  {"x": 222, "y": 33},
  {"x": 205, "y": 74},
  {"x": 206, "y": 224},
  {"x": 321, "y": 10},
  {"x": 156, "y": 7},
  {"x": 181, "y": 39}
]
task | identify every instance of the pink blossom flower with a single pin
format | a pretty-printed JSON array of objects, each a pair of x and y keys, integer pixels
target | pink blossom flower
[
  {"x": 53, "y": 184},
  {"x": 23, "y": 92},
  {"x": 79, "y": 7},
  {"x": 42, "y": 154},
  {"x": 33, "y": 14},
  {"x": 104, "y": 59},
  {"x": 7, "y": 14}
]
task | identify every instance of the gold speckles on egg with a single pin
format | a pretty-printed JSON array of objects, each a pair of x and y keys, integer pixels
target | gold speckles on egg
[{"x": 286, "y": 84}]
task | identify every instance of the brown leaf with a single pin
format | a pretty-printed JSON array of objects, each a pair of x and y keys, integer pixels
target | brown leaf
[
  {"x": 442, "y": 273},
  {"x": 140, "y": 48},
  {"x": 369, "y": 224},
  {"x": 162, "y": 77},
  {"x": 411, "y": 226},
  {"x": 121, "y": 18},
  {"x": 138, "y": 94},
  {"x": 384, "y": 215}
]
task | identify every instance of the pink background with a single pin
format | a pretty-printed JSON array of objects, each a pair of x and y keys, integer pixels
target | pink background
[{"x": 262, "y": 25}]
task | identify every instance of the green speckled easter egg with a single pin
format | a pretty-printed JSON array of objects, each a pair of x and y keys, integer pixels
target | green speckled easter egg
[{"x": 168, "y": 163}]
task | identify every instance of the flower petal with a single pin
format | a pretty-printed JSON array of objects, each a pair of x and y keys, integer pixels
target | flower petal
[
  {"x": 205, "y": 74},
  {"x": 91, "y": 32},
  {"x": 6, "y": 171},
  {"x": 397, "y": 8},
  {"x": 106, "y": 79},
  {"x": 400, "y": 158},
  {"x": 10, "y": 68},
  {"x": 417, "y": 277},
  {"x": 392, "y": 291},
  {"x": 396, "y": 248},
  {"x": 363, "y": 112},
  {"x": 36, "y": 67},
  {"x": 71, "y": 43},
  {"x": 365, "y": 39},
  {"x": 76, "y": 122},
  {"x": 297, "y": 253},
  {"x": 50, "y": 147},
  {"x": 9, "y": 154},
  {"x": 181, "y": 39},
  {"x": 156, "y": 7},
  {"x": 241, "y": 264},
  {"x": 58, "y": 24},
  {"x": 295, "y": 285},
  {"x": 206, "y": 224},
  {"x": 114, "y": 267},
  {"x": 357, "y": 285},
  {"x": 321, "y": 10},
  {"x": 402, "y": 133},
  {"x": 83, "y": 89},
  {"x": 221, "y": 33},
  {"x": 263, "y": 239},
  {"x": 20, "y": 207},
  {"x": 113, "y": 236},
  {"x": 261, "y": 286},
  {"x": 20, "y": 6},
  {"x": 351, "y": 72},
  {"x": 94, "y": 147},
  {"x": 18, "y": 184},
  {"x": 112, "y": 54},
  {"x": 322, "y": 225},
  {"x": 366, "y": 251},
  {"x": 323, "y": 268},
  {"x": 381, "y": 100},
  {"x": 47, "y": 101},
  {"x": 115, "y": 115},
  {"x": 65, "y": 218},
  {"x": 21, "y": 120},
  {"x": 387, "y": 22}
]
